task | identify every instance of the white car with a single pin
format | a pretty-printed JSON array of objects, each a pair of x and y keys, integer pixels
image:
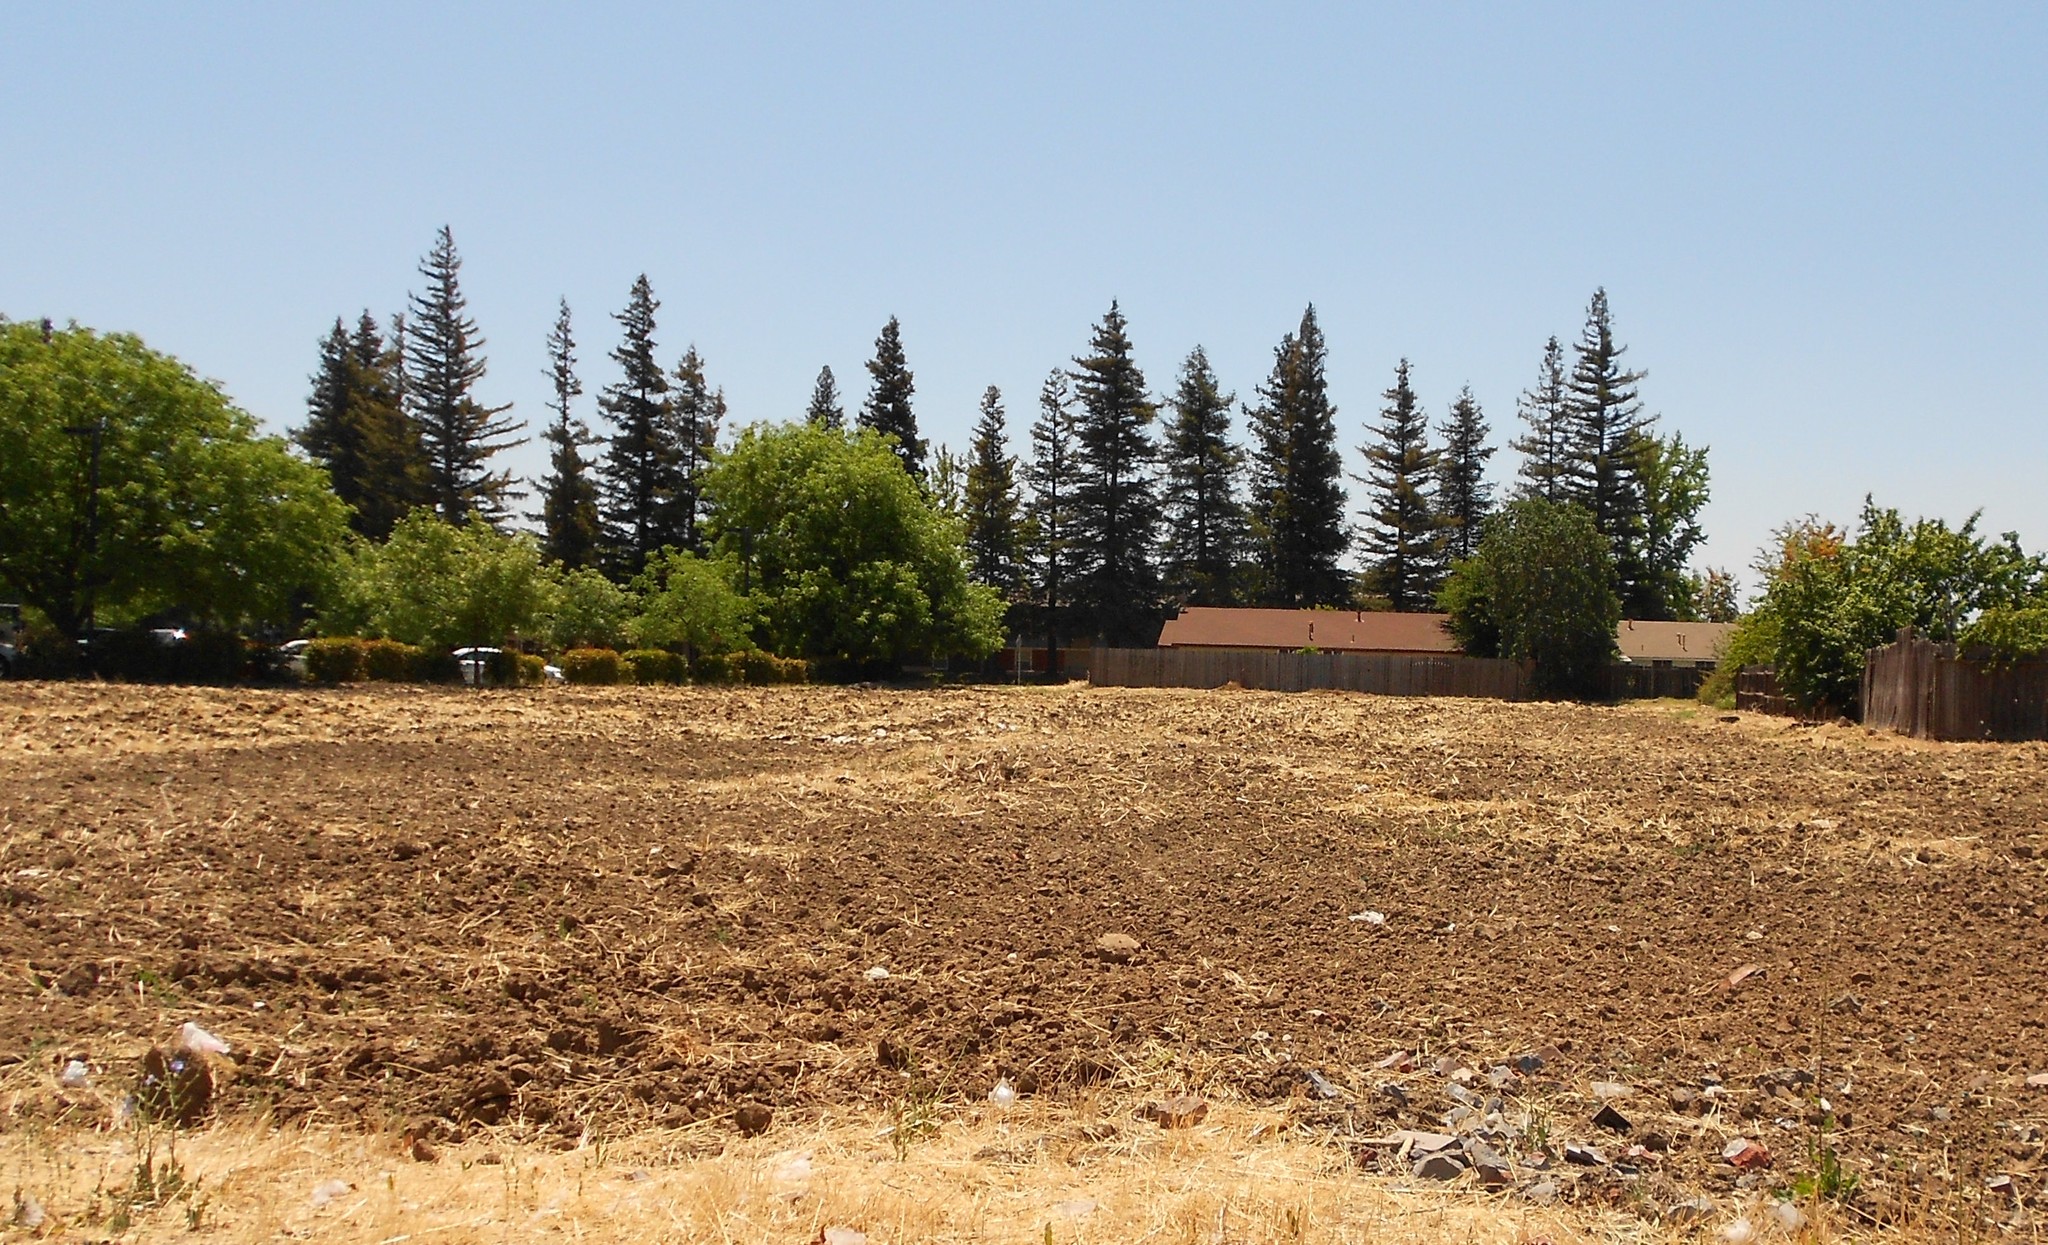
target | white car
[
  {"x": 475, "y": 661},
  {"x": 291, "y": 656},
  {"x": 8, "y": 656}
]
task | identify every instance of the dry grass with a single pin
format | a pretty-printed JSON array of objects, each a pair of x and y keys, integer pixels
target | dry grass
[{"x": 1034, "y": 1173}]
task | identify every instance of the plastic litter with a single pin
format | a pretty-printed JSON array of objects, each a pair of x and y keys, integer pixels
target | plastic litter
[
  {"x": 1738, "y": 1232},
  {"x": 327, "y": 1190},
  {"x": 878, "y": 973},
  {"x": 197, "y": 1041},
  {"x": 1004, "y": 1094},
  {"x": 75, "y": 1075},
  {"x": 1789, "y": 1217},
  {"x": 1369, "y": 917},
  {"x": 28, "y": 1212},
  {"x": 842, "y": 1236},
  {"x": 1075, "y": 1207}
]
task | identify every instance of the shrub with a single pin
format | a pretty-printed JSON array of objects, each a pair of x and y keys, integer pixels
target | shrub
[
  {"x": 501, "y": 669},
  {"x": 712, "y": 668},
  {"x": 533, "y": 670},
  {"x": 654, "y": 665},
  {"x": 431, "y": 665},
  {"x": 388, "y": 661},
  {"x": 794, "y": 669},
  {"x": 335, "y": 659},
  {"x": 599, "y": 667},
  {"x": 753, "y": 666}
]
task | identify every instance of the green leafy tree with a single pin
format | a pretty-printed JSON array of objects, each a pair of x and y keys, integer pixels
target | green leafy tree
[
  {"x": 851, "y": 564},
  {"x": 1049, "y": 534},
  {"x": 1404, "y": 537},
  {"x": 1546, "y": 409},
  {"x": 1297, "y": 509},
  {"x": 1602, "y": 455},
  {"x": 1711, "y": 597},
  {"x": 1672, "y": 478},
  {"x": 826, "y": 408},
  {"x": 1463, "y": 497},
  {"x": 643, "y": 468},
  {"x": 994, "y": 525},
  {"x": 887, "y": 409},
  {"x": 444, "y": 359},
  {"x": 1115, "y": 505},
  {"x": 572, "y": 531},
  {"x": 1540, "y": 590},
  {"x": 588, "y": 610},
  {"x": 696, "y": 414},
  {"x": 129, "y": 485},
  {"x": 1207, "y": 536},
  {"x": 441, "y": 586},
  {"x": 689, "y": 604},
  {"x": 356, "y": 427}
]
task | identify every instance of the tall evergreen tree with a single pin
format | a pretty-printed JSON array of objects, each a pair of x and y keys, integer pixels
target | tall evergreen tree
[
  {"x": 643, "y": 467},
  {"x": 571, "y": 531},
  {"x": 1206, "y": 536},
  {"x": 1463, "y": 496},
  {"x": 1297, "y": 508},
  {"x": 1606, "y": 420},
  {"x": 1050, "y": 519},
  {"x": 444, "y": 357},
  {"x": 357, "y": 428},
  {"x": 1116, "y": 508},
  {"x": 887, "y": 409},
  {"x": 826, "y": 410},
  {"x": 1546, "y": 409},
  {"x": 1403, "y": 536},
  {"x": 994, "y": 545},
  {"x": 695, "y": 416}
]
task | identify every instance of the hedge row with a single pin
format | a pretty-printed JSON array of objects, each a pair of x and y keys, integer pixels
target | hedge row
[
  {"x": 346, "y": 659},
  {"x": 603, "y": 667}
]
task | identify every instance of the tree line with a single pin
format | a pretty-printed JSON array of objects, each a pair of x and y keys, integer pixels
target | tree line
[{"x": 1122, "y": 505}]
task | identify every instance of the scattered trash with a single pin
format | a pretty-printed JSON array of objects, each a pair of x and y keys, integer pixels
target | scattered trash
[
  {"x": 841, "y": 1236},
  {"x": 1789, "y": 1217},
  {"x": 1369, "y": 917},
  {"x": 327, "y": 1190},
  {"x": 1738, "y": 1232},
  {"x": 2038, "y": 1081},
  {"x": 198, "y": 1041},
  {"x": 1741, "y": 975},
  {"x": 1184, "y": 1111},
  {"x": 75, "y": 1075},
  {"x": 794, "y": 1168},
  {"x": 1075, "y": 1207},
  {"x": 1611, "y": 1120},
  {"x": 1584, "y": 1156},
  {"x": 1543, "y": 1192},
  {"x": 1321, "y": 1084},
  {"x": 1004, "y": 1095},
  {"x": 1608, "y": 1091},
  {"x": 878, "y": 973},
  {"x": 1696, "y": 1210},
  {"x": 1399, "y": 1061},
  {"x": 1746, "y": 1154},
  {"x": 1439, "y": 1166},
  {"x": 28, "y": 1212},
  {"x": 1395, "y": 1093}
]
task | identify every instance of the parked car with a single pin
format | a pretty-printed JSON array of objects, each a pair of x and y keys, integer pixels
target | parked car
[
  {"x": 9, "y": 657},
  {"x": 291, "y": 657},
  {"x": 475, "y": 664}
]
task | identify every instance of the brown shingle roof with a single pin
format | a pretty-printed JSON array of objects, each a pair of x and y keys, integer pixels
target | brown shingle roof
[
  {"x": 1672, "y": 641},
  {"x": 1328, "y": 630}
]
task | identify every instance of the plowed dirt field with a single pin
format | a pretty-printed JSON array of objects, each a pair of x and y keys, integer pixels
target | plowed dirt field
[{"x": 575, "y": 910}]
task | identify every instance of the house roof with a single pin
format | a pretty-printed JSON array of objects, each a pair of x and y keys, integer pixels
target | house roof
[
  {"x": 1329, "y": 630},
  {"x": 1672, "y": 641}
]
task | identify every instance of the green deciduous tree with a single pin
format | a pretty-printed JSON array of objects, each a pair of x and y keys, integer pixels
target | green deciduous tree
[
  {"x": 441, "y": 586},
  {"x": 1463, "y": 496},
  {"x": 588, "y": 610},
  {"x": 444, "y": 360},
  {"x": 572, "y": 533},
  {"x": 887, "y": 409},
  {"x": 1049, "y": 515},
  {"x": 1539, "y": 589},
  {"x": 356, "y": 427},
  {"x": 1404, "y": 537},
  {"x": 1672, "y": 480},
  {"x": 994, "y": 525},
  {"x": 1207, "y": 536},
  {"x": 128, "y": 485},
  {"x": 1115, "y": 505},
  {"x": 826, "y": 408},
  {"x": 1297, "y": 500},
  {"x": 850, "y": 562},
  {"x": 692, "y": 604}
]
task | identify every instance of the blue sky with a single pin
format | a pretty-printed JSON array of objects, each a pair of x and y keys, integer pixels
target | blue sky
[{"x": 1824, "y": 229}]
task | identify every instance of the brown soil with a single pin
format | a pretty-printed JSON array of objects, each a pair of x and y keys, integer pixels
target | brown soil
[{"x": 578, "y": 910}]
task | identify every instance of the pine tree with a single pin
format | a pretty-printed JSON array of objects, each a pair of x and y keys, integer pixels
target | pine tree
[
  {"x": 1297, "y": 508},
  {"x": 1403, "y": 539},
  {"x": 571, "y": 531},
  {"x": 1049, "y": 515},
  {"x": 444, "y": 357},
  {"x": 825, "y": 409},
  {"x": 993, "y": 537},
  {"x": 695, "y": 416},
  {"x": 887, "y": 409},
  {"x": 643, "y": 467},
  {"x": 357, "y": 428},
  {"x": 1206, "y": 535},
  {"x": 1606, "y": 420},
  {"x": 1546, "y": 409},
  {"x": 1463, "y": 496},
  {"x": 1116, "y": 509}
]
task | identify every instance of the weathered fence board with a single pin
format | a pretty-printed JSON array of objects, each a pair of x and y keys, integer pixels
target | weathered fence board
[
  {"x": 1272, "y": 670},
  {"x": 1919, "y": 688},
  {"x": 1637, "y": 682},
  {"x": 1757, "y": 690}
]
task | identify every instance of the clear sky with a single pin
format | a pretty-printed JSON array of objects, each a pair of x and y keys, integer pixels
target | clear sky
[{"x": 1824, "y": 228}]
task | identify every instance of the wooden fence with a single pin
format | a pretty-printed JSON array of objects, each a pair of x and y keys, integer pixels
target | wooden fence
[
  {"x": 1757, "y": 690},
  {"x": 1387, "y": 674},
  {"x": 1637, "y": 682},
  {"x": 1919, "y": 688}
]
